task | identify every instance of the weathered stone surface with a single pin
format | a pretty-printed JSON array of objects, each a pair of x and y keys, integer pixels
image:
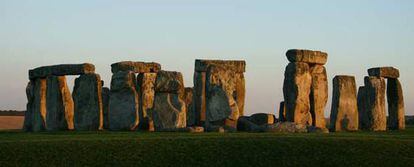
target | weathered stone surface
[
  {"x": 170, "y": 82},
  {"x": 87, "y": 97},
  {"x": 59, "y": 104},
  {"x": 240, "y": 92},
  {"x": 168, "y": 111},
  {"x": 386, "y": 72},
  {"x": 375, "y": 91},
  {"x": 362, "y": 109},
  {"x": 137, "y": 67},
  {"x": 286, "y": 127},
  {"x": 307, "y": 56},
  {"x": 28, "y": 115},
  {"x": 262, "y": 119},
  {"x": 105, "y": 104},
  {"x": 123, "y": 102},
  {"x": 396, "y": 109},
  {"x": 318, "y": 95},
  {"x": 296, "y": 91},
  {"x": 282, "y": 112},
  {"x": 196, "y": 129},
  {"x": 344, "y": 111},
  {"x": 35, "y": 115},
  {"x": 220, "y": 89},
  {"x": 238, "y": 66},
  {"x": 61, "y": 70},
  {"x": 146, "y": 90},
  {"x": 188, "y": 98},
  {"x": 199, "y": 97}
]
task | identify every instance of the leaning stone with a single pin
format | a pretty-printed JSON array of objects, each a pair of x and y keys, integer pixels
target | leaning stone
[
  {"x": 375, "y": 91},
  {"x": 262, "y": 119},
  {"x": 55, "y": 104},
  {"x": 146, "y": 91},
  {"x": 238, "y": 66},
  {"x": 199, "y": 97},
  {"x": 220, "y": 88},
  {"x": 344, "y": 111},
  {"x": 296, "y": 91},
  {"x": 363, "y": 117},
  {"x": 307, "y": 56},
  {"x": 282, "y": 112},
  {"x": 105, "y": 103},
  {"x": 169, "y": 82},
  {"x": 168, "y": 111},
  {"x": 61, "y": 70},
  {"x": 87, "y": 97},
  {"x": 136, "y": 67},
  {"x": 318, "y": 95},
  {"x": 395, "y": 105},
  {"x": 386, "y": 72},
  {"x": 123, "y": 102}
]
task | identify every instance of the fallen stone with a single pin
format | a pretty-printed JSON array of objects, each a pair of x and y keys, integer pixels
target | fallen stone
[
  {"x": 318, "y": 95},
  {"x": 168, "y": 111},
  {"x": 196, "y": 129},
  {"x": 261, "y": 119},
  {"x": 245, "y": 125},
  {"x": 296, "y": 91},
  {"x": 61, "y": 70},
  {"x": 136, "y": 67},
  {"x": 123, "y": 102},
  {"x": 238, "y": 66},
  {"x": 105, "y": 104},
  {"x": 169, "y": 82},
  {"x": 286, "y": 127},
  {"x": 146, "y": 90},
  {"x": 386, "y": 72},
  {"x": 344, "y": 111},
  {"x": 396, "y": 109},
  {"x": 313, "y": 129},
  {"x": 307, "y": 56},
  {"x": 87, "y": 98}
]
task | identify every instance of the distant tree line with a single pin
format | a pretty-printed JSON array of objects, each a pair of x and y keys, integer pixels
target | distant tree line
[{"x": 11, "y": 113}]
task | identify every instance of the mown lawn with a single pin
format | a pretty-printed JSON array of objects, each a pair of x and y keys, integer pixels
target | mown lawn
[{"x": 207, "y": 149}]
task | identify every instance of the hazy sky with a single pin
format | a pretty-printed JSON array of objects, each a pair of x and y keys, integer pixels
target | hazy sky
[{"x": 356, "y": 34}]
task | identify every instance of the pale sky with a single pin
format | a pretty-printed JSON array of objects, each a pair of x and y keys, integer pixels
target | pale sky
[{"x": 357, "y": 35}]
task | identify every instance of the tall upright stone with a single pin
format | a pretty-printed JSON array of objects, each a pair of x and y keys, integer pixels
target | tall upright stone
[
  {"x": 105, "y": 104},
  {"x": 199, "y": 97},
  {"x": 123, "y": 102},
  {"x": 37, "y": 105},
  {"x": 28, "y": 115},
  {"x": 188, "y": 99},
  {"x": 318, "y": 95},
  {"x": 296, "y": 91},
  {"x": 395, "y": 104},
  {"x": 375, "y": 94},
  {"x": 87, "y": 97},
  {"x": 146, "y": 91},
  {"x": 169, "y": 110},
  {"x": 59, "y": 106},
  {"x": 363, "y": 117},
  {"x": 282, "y": 112},
  {"x": 344, "y": 111}
]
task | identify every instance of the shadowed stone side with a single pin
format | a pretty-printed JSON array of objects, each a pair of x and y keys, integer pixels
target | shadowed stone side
[
  {"x": 199, "y": 99},
  {"x": 146, "y": 91},
  {"x": 123, "y": 102},
  {"x": 344, "y": 111},
  {"x": 282, "y": 112},
  {"x": 362, "y": 109},
  {"x": 395, "y": 105},
  {"x": 87, "y": 98},
  {"x": 55, "y": 115},
  {"x": 105, "y": 104},
  {"x": 296, "y": 91},
  {"x": 318, "y": 95},
  {"x": 61, "y": 70},
  {"x": 375, "y": 94},
  {"x": 28, "y": 115}
]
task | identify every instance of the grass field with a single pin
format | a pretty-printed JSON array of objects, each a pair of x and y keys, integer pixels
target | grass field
[{"x": 207, "y": 149}]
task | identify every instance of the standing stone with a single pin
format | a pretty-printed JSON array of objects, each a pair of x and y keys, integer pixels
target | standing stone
[
  {"x": 362, "y": 109},
  {"x": 87, "y": 97},
  {"x": 28, "y": 115},
  {"x": 123, "y": 102},
  {"x": 344, "y": 111},
  {"x": 146, "y": 90},
  {"x": 39, "y": 105},
  {"x": 169, "y": 110},
  {"x": 296, "y": 91},
  {"x": 375, "y": 94},
  {"x": 282, "y": 112},
  {"x": 240, "y": 93},
  {"x": 395, "y": 105},
  {"x": 188, "y": 98},
  {"x": 105, "y": 104},
  {"x": 68, "y": 104},
  {"x": 199, "y": 97},
  {"x": 220, "y": 102},
  {"x": 55, "y": 115},
  {"x": 318, "y": 95}
]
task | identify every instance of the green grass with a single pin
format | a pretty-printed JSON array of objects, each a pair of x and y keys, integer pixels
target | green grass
[{"x": 394, "y": 148}]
